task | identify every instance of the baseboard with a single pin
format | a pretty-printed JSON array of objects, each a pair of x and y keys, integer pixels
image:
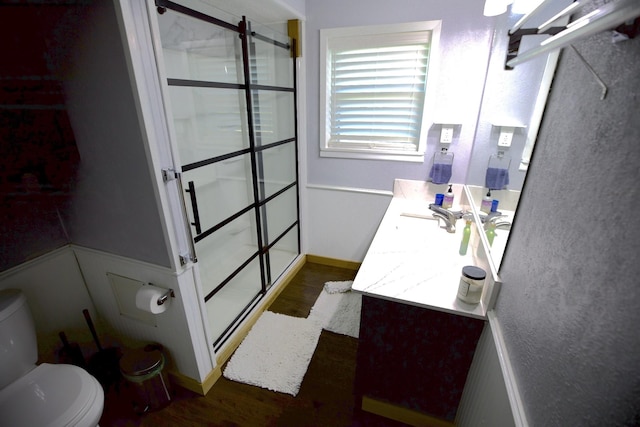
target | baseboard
[
  {"x": 193, "y": 385},
  {"x": 402, "y": 414},
  {"x": 490, "y": 392},
  {"x": 333, "y": 262},
  {"x": 234, "y": 342},
  {"x": 511, "y": 384}
]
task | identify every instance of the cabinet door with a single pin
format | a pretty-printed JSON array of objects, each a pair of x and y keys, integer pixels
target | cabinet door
[{"x": 414, "y": 357}]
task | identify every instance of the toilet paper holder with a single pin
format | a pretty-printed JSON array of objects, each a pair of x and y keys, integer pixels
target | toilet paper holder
[{"x": 166, "y": 295}]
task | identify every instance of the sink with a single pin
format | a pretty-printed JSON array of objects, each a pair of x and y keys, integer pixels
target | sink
[
  {"x": 434, "y": 216},
  {"x": 421, "y": 231},
  {"x": 412, "y": 260}
]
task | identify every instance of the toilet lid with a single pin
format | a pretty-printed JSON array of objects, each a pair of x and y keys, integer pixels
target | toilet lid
[{"x": 52, "y": 395}]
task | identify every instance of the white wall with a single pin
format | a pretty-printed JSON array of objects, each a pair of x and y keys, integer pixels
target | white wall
[
  {"x": 465, "y": 43},
  {"x": 485, "y": 400},
  {"x": 297, "y": 7},
  {"x": 56, "y": 292},
  {"x": 56, "y": 295},
  {"x": 341, "y": 222},
  {"x": 181, "y": 329}
]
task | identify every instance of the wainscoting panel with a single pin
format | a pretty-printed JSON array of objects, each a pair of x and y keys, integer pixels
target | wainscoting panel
[
  {"x": 180, "y": 329},
  {"x": 336, "y": 227},
  {"x": 490, "y": 396},
  {"x": 56, "y": 295}
]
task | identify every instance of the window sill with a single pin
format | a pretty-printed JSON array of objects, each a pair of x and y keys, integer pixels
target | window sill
[{"x": 415, "y": 157}]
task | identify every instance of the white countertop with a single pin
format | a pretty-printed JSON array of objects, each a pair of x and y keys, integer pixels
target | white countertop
[{"x": 413, "y": 260}]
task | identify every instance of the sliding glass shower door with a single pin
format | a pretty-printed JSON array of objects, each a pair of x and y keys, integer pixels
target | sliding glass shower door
[{"x": 232, "y": 96}]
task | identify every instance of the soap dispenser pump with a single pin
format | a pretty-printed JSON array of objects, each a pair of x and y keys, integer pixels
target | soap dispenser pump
[
  {"x": 447, "y": 202},
  {"x": 487, "y": 201}
]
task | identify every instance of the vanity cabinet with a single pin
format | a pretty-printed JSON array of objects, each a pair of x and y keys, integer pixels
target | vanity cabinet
[
  {"x": 417, "y": 339},
  {"x": 413, "y": 359}
]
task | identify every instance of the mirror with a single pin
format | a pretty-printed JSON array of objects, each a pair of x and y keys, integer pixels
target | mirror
[{"x": 511, "y": 109}]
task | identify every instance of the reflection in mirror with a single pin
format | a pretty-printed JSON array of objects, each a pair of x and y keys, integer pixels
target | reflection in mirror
[
  {"x": 510, "y": 115},
  {"x": 498, "y": 221}
]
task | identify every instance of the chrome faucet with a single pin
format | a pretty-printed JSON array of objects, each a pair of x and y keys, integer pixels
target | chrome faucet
[
  {"x": 506, "y": 225},
  {"x": 492, "y": 218},
  {"x": 448, "y": 225},
  {"x": 449, "y": 217}
]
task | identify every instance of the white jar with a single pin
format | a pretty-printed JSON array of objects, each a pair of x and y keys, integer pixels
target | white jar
[{"x": 471, "y": 284}]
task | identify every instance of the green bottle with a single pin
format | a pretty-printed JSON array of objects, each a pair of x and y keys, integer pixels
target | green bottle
[
  {"x": 491, "y": 233},
  {"x": 466, "y": 234}
]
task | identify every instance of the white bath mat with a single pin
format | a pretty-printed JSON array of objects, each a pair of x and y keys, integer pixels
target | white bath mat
[
  {"x": 338, "y": 312},
  {"x": 276, "y": 353},
  {"x": 338, "y": 287}
]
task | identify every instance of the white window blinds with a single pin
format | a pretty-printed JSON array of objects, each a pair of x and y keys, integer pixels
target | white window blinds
[{"x": 377, "y": 90}]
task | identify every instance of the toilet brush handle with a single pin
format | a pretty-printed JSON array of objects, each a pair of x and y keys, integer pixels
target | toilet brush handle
[{"x": 87, "y": 317}]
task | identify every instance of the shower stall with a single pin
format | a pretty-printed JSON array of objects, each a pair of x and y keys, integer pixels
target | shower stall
[{"x": 230, "y": 93}]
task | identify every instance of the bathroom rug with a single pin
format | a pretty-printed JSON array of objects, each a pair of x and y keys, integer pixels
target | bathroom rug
[
  {"x": 338, "y": 311},
  {"x": 338, "y": 287},
  {"x": 276, "y": 353}
]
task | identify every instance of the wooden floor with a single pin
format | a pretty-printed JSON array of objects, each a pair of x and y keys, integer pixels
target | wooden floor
[{"x": 325, "y": 397}]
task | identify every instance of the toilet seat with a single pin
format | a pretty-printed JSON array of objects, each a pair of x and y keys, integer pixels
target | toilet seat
[{"x": 52, "y": 395}]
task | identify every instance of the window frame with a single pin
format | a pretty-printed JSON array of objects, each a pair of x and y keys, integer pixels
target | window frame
[{"x": 391, "y": 30}]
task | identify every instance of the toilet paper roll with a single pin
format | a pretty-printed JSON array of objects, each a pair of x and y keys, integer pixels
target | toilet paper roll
[{"x": 147, "y": 299}]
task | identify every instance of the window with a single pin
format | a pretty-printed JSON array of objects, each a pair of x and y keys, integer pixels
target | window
[{"x": 376, "y": 89}]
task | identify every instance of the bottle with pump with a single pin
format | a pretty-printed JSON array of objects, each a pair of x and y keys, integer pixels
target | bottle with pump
[
  {"x": 466, "y": 234},
  {"x": 447, "y": 202},
  {"x": 487, "y": 201}
]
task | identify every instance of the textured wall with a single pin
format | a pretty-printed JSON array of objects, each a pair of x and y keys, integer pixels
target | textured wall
[
  {"x": 114, "y": 207},
  {"x": 570, "y": 300}
]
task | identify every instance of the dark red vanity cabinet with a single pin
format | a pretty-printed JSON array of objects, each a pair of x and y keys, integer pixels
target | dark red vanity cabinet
[{"x": 414, "y": 358}]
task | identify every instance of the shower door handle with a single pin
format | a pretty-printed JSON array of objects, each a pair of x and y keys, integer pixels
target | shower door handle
[{"x": 194, "y": 207}]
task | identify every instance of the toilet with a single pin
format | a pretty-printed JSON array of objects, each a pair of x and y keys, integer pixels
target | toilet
[{"x": 45, "y": 394}]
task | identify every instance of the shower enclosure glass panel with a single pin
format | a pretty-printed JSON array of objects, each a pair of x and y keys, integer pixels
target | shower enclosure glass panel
[
  {"x": 271, "y": 64},
  {"x": 236, "y": 143},
  {"x": 280, "y": 215},
  {"x": 199, "y": 51},
  {"x": 208, "y": 122},
  {"x": 226, "y": 250},
  {"x": 235, "y": 297},
  {"x": 278, "y": 168},
  {"x": 283, "y": 252},
  {"x": 273, "y": 121},
  {"x": 227, "y": 180}
]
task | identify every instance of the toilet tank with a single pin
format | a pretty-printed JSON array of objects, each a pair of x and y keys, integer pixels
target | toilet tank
[{"x": 18, "y": 344}]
